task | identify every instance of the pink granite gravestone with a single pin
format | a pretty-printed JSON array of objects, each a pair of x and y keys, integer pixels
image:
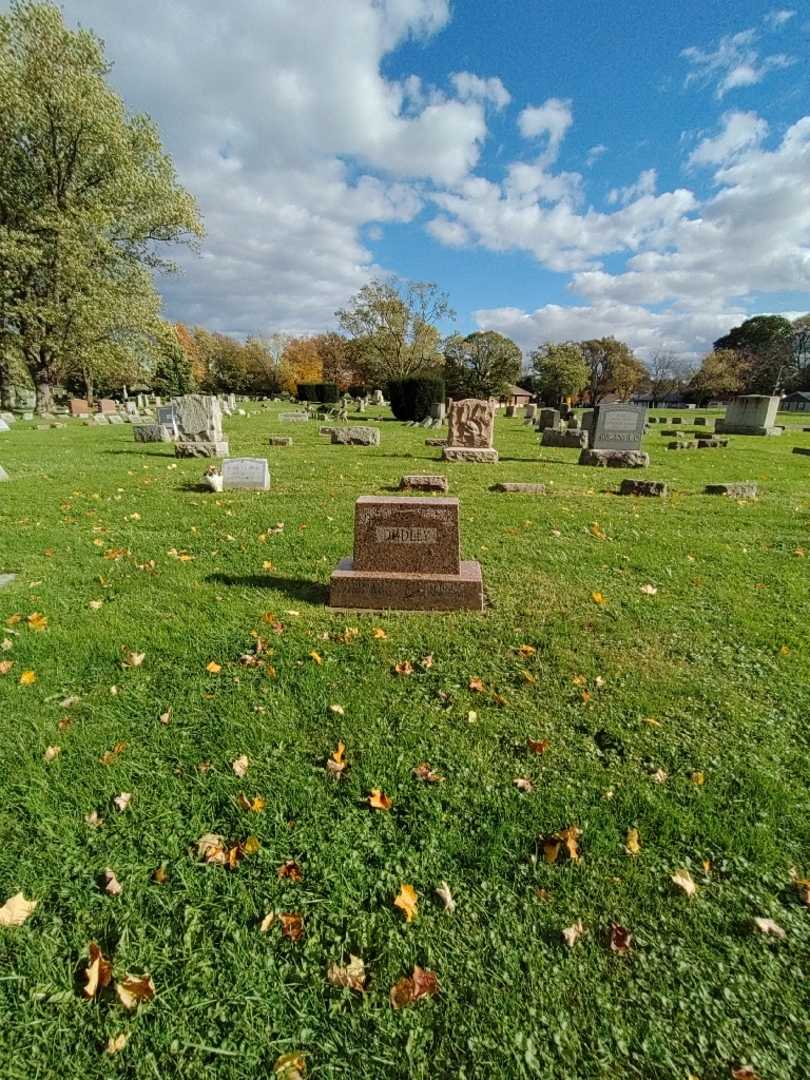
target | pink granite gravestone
[{"x": 406, "y": 557}]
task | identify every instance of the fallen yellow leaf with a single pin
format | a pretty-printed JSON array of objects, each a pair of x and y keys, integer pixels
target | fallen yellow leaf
[
  {"x": 406, "y": 901},
  {"x": 213, "y": 667},
  {"x": 28, "y": 678},
  {"x": 378, "y": 800},
  {"x": 632, "y": 844},
  {"x": 16, "y": 910}
]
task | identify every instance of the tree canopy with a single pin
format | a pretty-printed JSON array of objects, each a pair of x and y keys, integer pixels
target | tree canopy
[
  {"x": 481, "y": 364},
  {"x": 559, "y": 371},
  {"x": 88, "y": 197}
]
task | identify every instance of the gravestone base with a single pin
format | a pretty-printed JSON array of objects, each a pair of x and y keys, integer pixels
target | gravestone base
[
  {"x": 201, "y": 449},
  {"x": 355, "y": 436},
  {"x": 521, "y": 489},
  {"x": 280, "y": 440},
  {"x": 615, "y": 459},
  {"x": 376, "y": 590},
  {"x": 724, "y": 427},
  {"x": 736, "y": 491},
  {"x": 487, "y": 454}
]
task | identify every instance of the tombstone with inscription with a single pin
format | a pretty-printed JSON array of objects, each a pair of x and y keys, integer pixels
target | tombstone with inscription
[
  {"x": 199, "y": 424},
  {"x": 472, "y": 422},
  {"x": 407, "y": 558},
  {"x": 245, "y": 474},
  {"x": 751, "y": 414},
  {"x": 529, "y": 413},
  {"x": 79, "y": 407},
  {"x": 107, "y": 406},
  {"x": 547, "y": 418},
  {"x": 166, "y": 419},
  {"x": 615, "y": 433}
]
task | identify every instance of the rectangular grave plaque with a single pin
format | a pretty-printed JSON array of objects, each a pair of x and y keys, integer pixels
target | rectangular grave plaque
[
  {"x": 245, "y": 474},
  {"x": 618, "y": 427}
]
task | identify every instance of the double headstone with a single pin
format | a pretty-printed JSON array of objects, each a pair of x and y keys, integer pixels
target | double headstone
[
  {"x": 752, "y": 414},
  {"x": 407, "y": 557},
  {"x": 472, "y": 422},
  {"x": 615, "y": 433}
]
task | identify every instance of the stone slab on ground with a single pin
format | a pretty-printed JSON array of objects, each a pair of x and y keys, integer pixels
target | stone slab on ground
[
  {"x": 293, "y": 417},
  {"x": 245, "y": 474},
  {"x": 736, "y": 491},
  {"x": 615, "y": 459},
  {"x": 280, "y": 440},
  {"x": 201, "y": 449},
  {"x": 802, "y": 450},
  {"x": 423, "y": 482},
  {"x": 573, "y": 439},
  {"x": 650, "y": 488},
  {"x": 326, "y": 429},
  {"x": 401, "y": 535},
  {"x": 435, "y": 442},
  {"x": 391, "y": 591},
  {"x": 355, "y": 436},
  {"x": 486, "y": 454},
  {"x": 520, "y": 489},
  {"x": 3, "y": 475},
  {"x": 705, "y": 444},
  {"x": 700, "y": 421},
  {"x": 4, "y": 426},
  {"x": 7, "y": 579},
  {"x": 7, "y": 417},
  {"x": 684, "y": 444}
]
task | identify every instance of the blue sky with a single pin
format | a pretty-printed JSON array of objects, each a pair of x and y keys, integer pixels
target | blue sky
[{"x": 562, "y": 169}]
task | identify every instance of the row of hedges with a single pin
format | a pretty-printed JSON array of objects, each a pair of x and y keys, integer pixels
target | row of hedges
[
  {"x": 318, "y": 391},
  {"x": 411, "y": 398}
]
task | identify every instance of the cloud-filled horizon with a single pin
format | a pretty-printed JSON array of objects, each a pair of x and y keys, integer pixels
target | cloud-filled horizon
[{"x": 560, "y": 179}]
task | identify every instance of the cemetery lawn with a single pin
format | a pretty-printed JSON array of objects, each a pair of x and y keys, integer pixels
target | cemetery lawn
[{"x": 661, "y": 647}]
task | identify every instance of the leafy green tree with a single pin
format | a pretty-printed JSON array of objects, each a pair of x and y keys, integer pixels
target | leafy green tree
[
  {"x": 480, "y": 365},
  {"x": 87, "y": 196},
  {"x": 394, "y": 324},
  {"x": 172, "y": 375},
  {"x": 765, "y": 344},
  {"x": 612, "y": 368},
  {"x": 722, "y": 374},
  {"x": 560, "y": 371}
]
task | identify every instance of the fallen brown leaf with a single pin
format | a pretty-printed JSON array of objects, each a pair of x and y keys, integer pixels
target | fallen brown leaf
[
  {"x": 683, "y": 880},
  {"x": 378, "y": 800},
  {"x": 336, "y": 763},
  {"x": 240, "y": 765},
  {"x": 109, "y": 756},
  {"x": 290, "y": 1066},
  {"x": 476, "y": 685},
  {"x": 523, "y": 783},
  {"x": 133, "y": 989},
  {"x": 768, "y": 926},
  {"x": 446, "y": 897},
  {"x": 424, "y": 772},
  {"x": 123, "y": 800},
  {"x": 632, "y": 844},
  {"x": 98, "y": 972},
  {"x": 421, "y": 983},
  {"x": 292, "y": 926},
  {"x": 352, "y": 976},
  {"x": 16, "y": 910},
  {"x": 538, "y": 746},
  {"x": 112, "y": 886},
  {"x": 572, "y": 934},
  {"x": 116, "y": 1043},
  {"x": 291, "y": 870},
  {"x": 52, "y": 752},
  {"x": 404, "y": 667},
  {"x": 620, "y": 938}
]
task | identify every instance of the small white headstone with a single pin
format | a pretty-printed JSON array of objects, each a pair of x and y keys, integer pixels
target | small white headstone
[
  {"x": 3, "y": 474},
  {"x": 4, "y": 426},
  {"x": 245, "y": 474}
]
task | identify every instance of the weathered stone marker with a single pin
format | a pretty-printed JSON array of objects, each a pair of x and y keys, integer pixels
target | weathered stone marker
[
  {"x": 520, "y": 489},
  {"x": 79, "y": 407},
  {"x": 423, "y": 482},
  {"x": 751, "y": 414},
  {"x": 199, "y": 425},
  {"x": 650, "y": 488},
  {"x": 472, "y": 422},
  {"x": 293, "y": 417},
  {"x": 736, "y": 491},
  {"x": 280, "y": 440},
  {"x": 617, "y": 427},
  {"x": 510, "y": 412},
  {"x": 356, "y": 436},
  {"x": 406, "y": 557},
  {"x": 615, "y": 459},
  {"x": 573, "y": 438},
  {"x": 245, "y": 474}
]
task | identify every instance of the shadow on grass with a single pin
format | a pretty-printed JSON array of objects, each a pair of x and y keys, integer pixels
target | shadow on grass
[
  {"x": 197, "y": 488},
  {"x": 536, "y": 461},
  {"x": 313, "y": 592},
  {"x": 143, "y": 453}
]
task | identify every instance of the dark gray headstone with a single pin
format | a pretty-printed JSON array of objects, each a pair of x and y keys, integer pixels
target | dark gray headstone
[{"x": 618, "y": 427}]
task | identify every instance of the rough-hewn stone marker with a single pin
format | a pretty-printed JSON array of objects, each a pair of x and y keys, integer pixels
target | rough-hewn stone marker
[
  {"x": 520, "y": 489},
  {"x": 406, "y": 557},
  {"x": 615, "y": 459},
  {"x": 472, "y": 422},
  {"x": 199, "y": 425},
  {"x": 736, "y": 491},
  {"x": 423, "y": 482},
  {"x": 573, "y": 438},
  {"x": 356, "y": 436},
  {"x": 643, "y": 487}
]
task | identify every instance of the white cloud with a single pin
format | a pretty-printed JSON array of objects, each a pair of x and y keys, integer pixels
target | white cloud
[
  {"x": 450, "y": 233},
  {"x": 734, "y": 63},
  {"x": 471, "y": 87},
  {"x": 285, "y": 128},
  {"x": 687, "y": 332},
  {"x": 645, "y": 185},
  {"x": 778, "y": 17},
  {"x": 552, "y": 119},
  {"x": 594, "y": 154},
  {"x": 741, "y": 131}
]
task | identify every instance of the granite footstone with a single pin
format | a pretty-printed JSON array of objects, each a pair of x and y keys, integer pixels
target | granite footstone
[
  {"x": 647, "y": 488},
  {"x": 423, "y": 482},
  {"x": 7, "y": 579},
  {"x": 804, "y": 450},
  {"x": 355, "y": 436},
  {"x": 615, "y": 459},
  {"x": 520, "y": 489},
  {"x": 280, "y": 440},
  {"x": 736, "y": 491}
]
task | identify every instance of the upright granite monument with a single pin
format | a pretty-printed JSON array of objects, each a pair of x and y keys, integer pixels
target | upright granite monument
[
  {"x": 472, "y": 422},
  {"x": 752, "y": 414},
  {"x": 614, "y": 436},
  {"x": 406, "y": 558},
  {"x": 199, "y": 425}
]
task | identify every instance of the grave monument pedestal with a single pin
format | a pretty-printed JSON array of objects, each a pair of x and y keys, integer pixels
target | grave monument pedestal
[
  {"x": 406, "y": 558},
  {"x": 751, "y": 414},
  {"x": 472, "y": 422}
]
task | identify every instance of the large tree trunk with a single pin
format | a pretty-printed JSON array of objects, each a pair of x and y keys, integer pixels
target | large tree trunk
[{"x": 44, "y": 395}]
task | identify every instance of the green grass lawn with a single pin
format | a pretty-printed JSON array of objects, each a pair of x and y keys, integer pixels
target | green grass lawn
[{"x": 636, "y": 695}]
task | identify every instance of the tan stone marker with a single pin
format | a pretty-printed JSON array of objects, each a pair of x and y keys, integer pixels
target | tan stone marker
[{"x": 406, "y": 558}]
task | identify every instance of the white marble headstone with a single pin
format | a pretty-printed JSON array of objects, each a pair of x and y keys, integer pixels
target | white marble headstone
[{"x": 245, "y": 474}]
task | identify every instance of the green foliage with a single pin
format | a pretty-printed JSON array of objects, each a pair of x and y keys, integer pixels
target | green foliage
[
  {"x": 394, "y": 326},
  {"x": 411, "y": 398},
  {"x": 481, "y": 365},
  {"x": 764, "y": 344},
  {"x": 322, "y": 392},
  {"x": 722, "y": 374},
  {"x": 560, "y": 371},
  {"x": 172, "y": 375},
  {"x": 87, "y": 197},
  {"x": 613, "y": 368}
]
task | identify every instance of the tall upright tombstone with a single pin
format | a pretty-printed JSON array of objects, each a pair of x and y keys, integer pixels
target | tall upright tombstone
[
  {"x": 199, "y": 425},
  {"x": 751, "y": 414},
  {"x": 406, "y": 558},
  {"x": 472, "y": 424},
  {"x": 614, "y": 436}
]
